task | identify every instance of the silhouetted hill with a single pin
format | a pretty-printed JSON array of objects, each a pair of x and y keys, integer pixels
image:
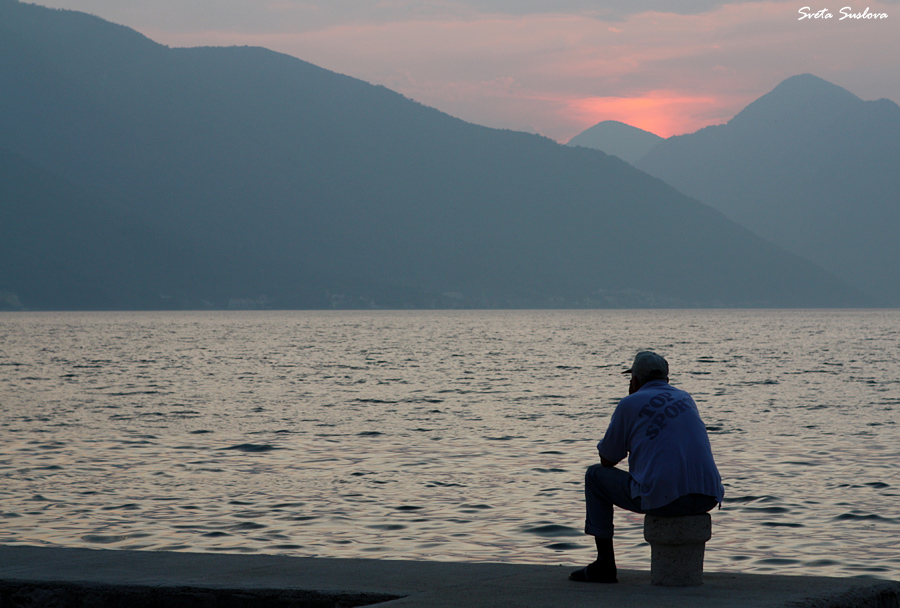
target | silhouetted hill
[
  {"x": 64, "y": 248},
  {"x": 44, "y": 219},
  {"x": 618, "y": 139},
  {"x": 242, "y": 173},
  {"x": 809, "y": 166}
]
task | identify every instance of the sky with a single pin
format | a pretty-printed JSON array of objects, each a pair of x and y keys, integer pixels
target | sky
[{"x": 554, "y": 67}]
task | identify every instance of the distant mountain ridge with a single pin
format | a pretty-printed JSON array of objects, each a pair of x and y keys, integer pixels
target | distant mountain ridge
[
  {"x": 809, "y": 166},
  {"x": 617, "y": 139},
  {"x": 206, "y": 176}
]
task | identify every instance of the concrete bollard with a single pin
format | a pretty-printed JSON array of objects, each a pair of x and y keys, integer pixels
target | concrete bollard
[{"x": 677, "y": 545}]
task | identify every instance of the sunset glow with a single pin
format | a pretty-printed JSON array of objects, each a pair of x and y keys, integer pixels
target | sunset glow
[{"x": 662, "y": 113}]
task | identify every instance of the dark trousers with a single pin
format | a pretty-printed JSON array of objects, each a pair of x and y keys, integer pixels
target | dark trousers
[{"x": 608, "y": 486}]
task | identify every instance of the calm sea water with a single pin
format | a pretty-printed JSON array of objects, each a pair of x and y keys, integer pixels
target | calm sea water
[{"x": 440, "y": 435}]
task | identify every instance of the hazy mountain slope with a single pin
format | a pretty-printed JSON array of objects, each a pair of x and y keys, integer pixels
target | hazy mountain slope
[
  {"x": 809, "y": 166},
  {"x": 618, "y": 139},
  {"x": 66, "y": 249},
  {"x": 271, "y": 176}
]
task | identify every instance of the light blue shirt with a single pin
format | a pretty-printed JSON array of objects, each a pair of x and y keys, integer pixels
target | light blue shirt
[{"x": 660, "y": 431}]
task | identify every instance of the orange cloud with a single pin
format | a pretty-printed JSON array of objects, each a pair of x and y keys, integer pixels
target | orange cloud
[{"x": 664, "y": 113}]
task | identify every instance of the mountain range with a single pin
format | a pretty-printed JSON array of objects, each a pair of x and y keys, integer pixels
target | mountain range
[
  {"x": 808, "y": 166},
  {"x": 139, "y": 176}
]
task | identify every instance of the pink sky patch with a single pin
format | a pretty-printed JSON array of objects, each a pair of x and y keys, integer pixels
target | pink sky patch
[{"x": 664, "y": 113}]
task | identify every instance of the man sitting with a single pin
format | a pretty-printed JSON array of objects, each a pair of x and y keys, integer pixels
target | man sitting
[{"x": 671, "y": 470}]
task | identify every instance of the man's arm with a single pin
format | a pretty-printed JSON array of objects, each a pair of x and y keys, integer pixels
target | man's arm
[
  {"x": 615, "y": 441},
  {"x": 607, "y": 462}
]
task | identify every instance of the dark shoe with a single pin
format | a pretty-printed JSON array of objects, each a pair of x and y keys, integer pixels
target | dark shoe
[{"x": 595, "y": 572}]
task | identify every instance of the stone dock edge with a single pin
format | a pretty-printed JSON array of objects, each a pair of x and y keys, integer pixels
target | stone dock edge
[{"x": 58, "y": 577}]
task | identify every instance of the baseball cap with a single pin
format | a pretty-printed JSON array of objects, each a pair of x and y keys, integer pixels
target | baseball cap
[{"x": 648, "y": 364}]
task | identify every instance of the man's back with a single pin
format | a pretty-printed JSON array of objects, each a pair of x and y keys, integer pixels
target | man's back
[{"x": 669, "y": 455}]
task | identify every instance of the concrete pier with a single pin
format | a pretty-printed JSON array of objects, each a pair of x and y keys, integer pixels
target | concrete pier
[{"x": 51, "y": 577}]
